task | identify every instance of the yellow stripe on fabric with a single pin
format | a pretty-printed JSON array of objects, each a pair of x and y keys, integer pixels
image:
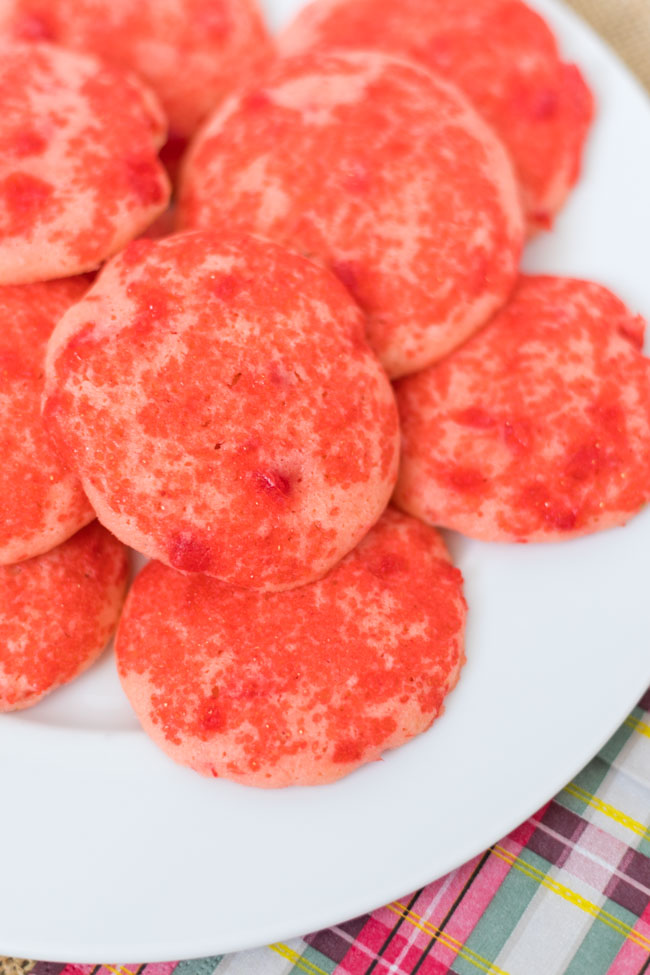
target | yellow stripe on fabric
[
  {"x": 608, "y": 810},
  {"x": 640, "y": 726},
  {"x": 302, "y": 963},
  {"x": 461, "y": 949},
  {"x": 120, "y": 970},
  {"x": 573, "y": 898}
]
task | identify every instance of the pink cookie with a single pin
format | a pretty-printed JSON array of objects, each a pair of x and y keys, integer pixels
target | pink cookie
[
  {"x": 299, "y": 687},
  {"x": 57, "y": 612},
  {"x": 191, "y": 52},
  {"x": 41, "y": 501},
  {"x": 223, "y": 410},
  {"x": 79, "y": 175},
  {"x": 382, "y": 173},
  {"x": 538, "y": 429},
  {"x": 500, "y": 53}
]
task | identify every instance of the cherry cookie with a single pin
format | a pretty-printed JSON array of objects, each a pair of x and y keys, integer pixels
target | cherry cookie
[
  {"x": 500, "y": 53},
  {"x": 190, "y": 52},
  {"x": 538, "y": 429},
  {"x": 41, "y": 501},
  {"x": 57, "y": 613},
  {"x": 79, "y": 175},
  {"x": 382, "y": 173},
  {"x": 299, "y": 687},
  {"x": 225, "y": 415}
]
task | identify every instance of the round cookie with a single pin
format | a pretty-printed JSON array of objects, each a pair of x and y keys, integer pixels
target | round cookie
[
  {"x": 190, "y": 52},
  {"x": 538, "y": 429},
  {"x": 407, "y": 195},
  {"x": 299, "y": 687},
  {"x": 41, "y": 501},
  {"x": 79, "y": 175},
  {"x": 57, "y": 613},
  {"x": 223, "y": 410},
  {"x": 500, "y": 53}
]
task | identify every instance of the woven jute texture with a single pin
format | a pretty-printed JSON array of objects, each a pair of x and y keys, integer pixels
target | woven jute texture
[
  {"x": 15, "y": 966},
  {"x": 625, "y": 25}
]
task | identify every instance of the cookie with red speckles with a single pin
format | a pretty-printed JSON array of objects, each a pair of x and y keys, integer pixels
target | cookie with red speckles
[
  {"x": 538, "y": 429},
  {"x": 500, "y": 53},
  {"x": 79, "y": 174},
  {"x": 57, "y": 613},
  {"x": 408, "y": 196},
  {"x": 223, "y": 410},
  {"x": 298, "y": 687},
  {"x": 190, "y": 52},
  {"x": 41, "y": 501}
]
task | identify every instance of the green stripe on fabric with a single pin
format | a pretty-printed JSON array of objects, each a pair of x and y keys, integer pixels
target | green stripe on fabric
[
  {"x": 610, "y": 751},
  {"x": 590, "y": 779},
  {"x": 306, "y": 961},
  {"x": 641, "y": 715},
  {"x": 198, "y": 966},
  {"x": 499, "y": 919},
  {"x": 311, "y": 957},
  {"x": 601, "y": 944},
  {"x": 644, "y": 847}
]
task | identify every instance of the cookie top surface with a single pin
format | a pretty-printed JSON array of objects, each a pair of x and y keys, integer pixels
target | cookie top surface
[
  {"x": 298, "y": 687},
  {"x": 41, "y": 501},
  {"x": 57, "y": 612},
  {"x": 190, "y": 52},
  {"x": 500, "y": 53},
  {"x": 223, "y": 410},
  {"x": 79, "y": 175},
  {"x": 407, "y": 196},
  {"x": 538, "y": 429}
]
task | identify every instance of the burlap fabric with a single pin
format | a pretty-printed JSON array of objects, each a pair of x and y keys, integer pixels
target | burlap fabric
[{"x": 625, "y": 25}]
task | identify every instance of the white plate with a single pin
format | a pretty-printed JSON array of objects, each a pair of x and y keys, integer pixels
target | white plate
[{"x": 110, "y": 852}]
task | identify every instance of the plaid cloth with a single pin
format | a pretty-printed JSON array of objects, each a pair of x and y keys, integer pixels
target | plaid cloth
[{"x": 567, "y": 892}]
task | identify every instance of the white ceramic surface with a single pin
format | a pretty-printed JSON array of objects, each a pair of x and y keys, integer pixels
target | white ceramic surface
[{"x": 109, "y": 852}]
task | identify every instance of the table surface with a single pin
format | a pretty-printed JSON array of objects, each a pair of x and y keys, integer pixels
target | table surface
[{"x": 566, "y": 893}]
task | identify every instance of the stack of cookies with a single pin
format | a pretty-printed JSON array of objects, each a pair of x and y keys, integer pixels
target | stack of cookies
[{"x": 329, "y": 318}]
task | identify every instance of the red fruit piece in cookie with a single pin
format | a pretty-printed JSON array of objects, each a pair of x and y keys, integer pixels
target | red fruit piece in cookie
[
  {"x": 41, "y": 501},
  {"x": 190, "y": 52},
  {"x": 500, "y": 53},
  {"x": 299, "y": 687},
  {"x": 381, "y": 172},
  {"x": 79, "y": 175},
  {"x": 538, "y": 429},
  {"x": 223, "y": 410},
  {"x": 57, "y": 613}
]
